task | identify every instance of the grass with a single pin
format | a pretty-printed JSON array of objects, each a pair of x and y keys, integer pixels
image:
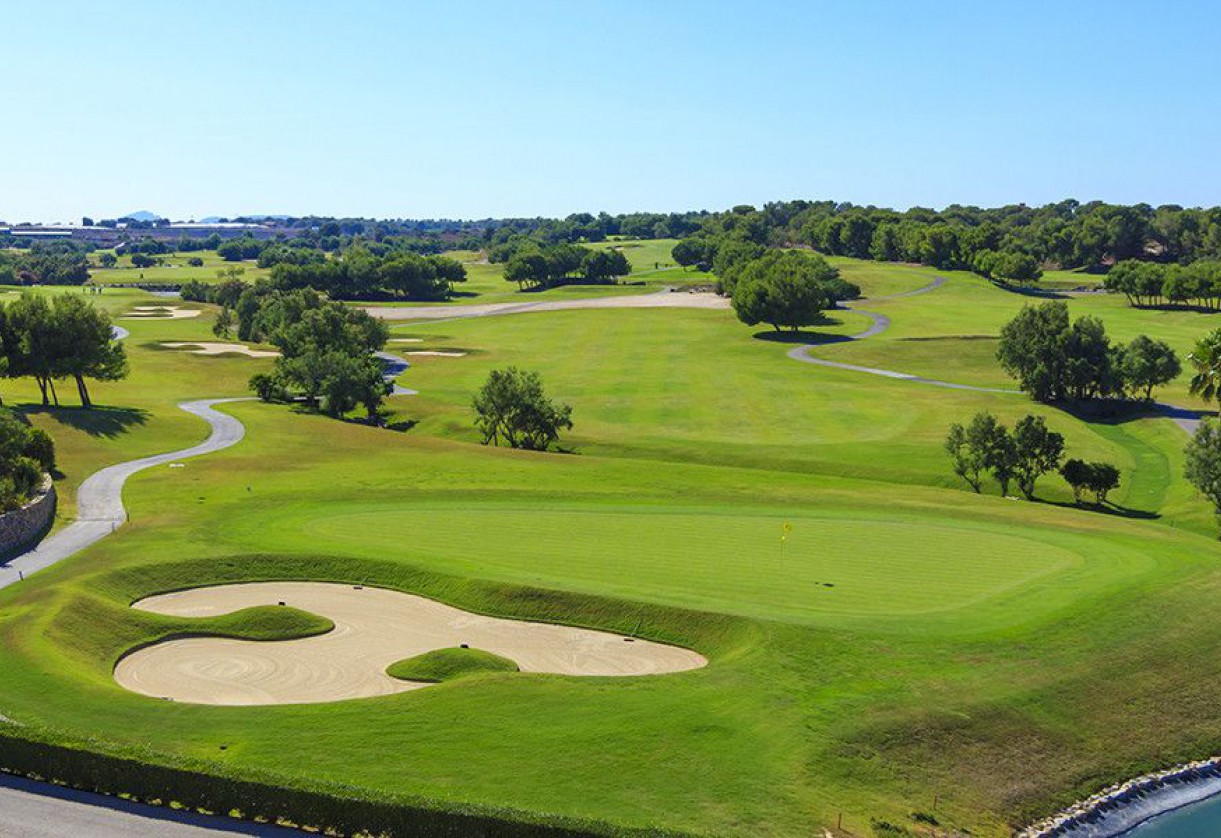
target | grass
[
  {"x": 910, "y": 640},
  {"x": 447, "y": 664},
  {"x": 174, "y": 271}
]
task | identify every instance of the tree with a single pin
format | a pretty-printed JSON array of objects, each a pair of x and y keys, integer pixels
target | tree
[
  {"x": 1036, "y": 451},
  {"x": 1149, "y": 363},
  {"x": 604, "y": 265},
  {"x": 785, "y": 289},
  {"x": 511, "y": 406},
  {"x": 108, "y": 259},
  {"x": 1032, "y": 349},
  {"x": 89, "y": 349},
  {"x": 31, "y": 343},
  {"x": 983, "y": 445},
  {"x": 1202, "y": 466},
  {"x": 352, "y": 381},
  {"x": 1076, "y": 474},
  {"x": 966, "y": 461},
  {"x": 1103, "y": 478},
  {"x": 1205, "y": 359},
  {"x": 223, "y": 326}
]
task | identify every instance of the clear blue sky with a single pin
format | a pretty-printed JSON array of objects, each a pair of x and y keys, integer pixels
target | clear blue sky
[{"x": 476, "y": 109}]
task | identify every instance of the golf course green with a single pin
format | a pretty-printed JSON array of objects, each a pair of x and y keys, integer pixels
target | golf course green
[{"x": 909, "y": 651}]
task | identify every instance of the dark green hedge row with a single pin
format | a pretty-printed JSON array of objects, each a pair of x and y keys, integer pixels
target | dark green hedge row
[{"x": 97, "y": 772}]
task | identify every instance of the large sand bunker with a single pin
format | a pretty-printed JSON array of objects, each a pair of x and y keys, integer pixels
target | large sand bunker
[
  {"x": 374, "y": 628},
  {"x": 209, "y": 348},
  {"x": 161, "y": 313}
]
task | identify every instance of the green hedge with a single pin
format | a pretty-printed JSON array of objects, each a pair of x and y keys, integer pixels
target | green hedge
[{"x": 22, "y": 752}]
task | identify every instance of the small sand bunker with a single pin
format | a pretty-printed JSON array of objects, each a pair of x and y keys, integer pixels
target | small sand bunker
[
  {"x": 161, "y": 313},
  {"x": 439, "y": 353},
  {"x": 374, "y": 628},
  {"x": 205, "y": 348}
]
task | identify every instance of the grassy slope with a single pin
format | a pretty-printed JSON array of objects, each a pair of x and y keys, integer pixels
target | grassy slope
[{"x": 983, "y": 650}]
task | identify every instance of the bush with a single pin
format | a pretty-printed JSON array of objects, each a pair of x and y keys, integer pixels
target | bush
[
  {"x": 41, "y": 448},
  {"x": 268, "y": 388},
  {"x": 195, "y": 262}
]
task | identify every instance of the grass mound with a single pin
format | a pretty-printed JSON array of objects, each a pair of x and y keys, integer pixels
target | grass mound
[{"x": 448, "y": 664}]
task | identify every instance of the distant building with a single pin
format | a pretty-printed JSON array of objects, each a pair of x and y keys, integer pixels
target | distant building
[{"x": 165, "y": 232}]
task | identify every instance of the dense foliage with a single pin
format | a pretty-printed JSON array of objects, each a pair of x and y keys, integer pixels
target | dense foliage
[
  {"x": 1054, "y": 360},
  {"x": 57, "y": 338},
  {"x": 1202, "y": 464},
  {"x": 785, "y": 289},
  {"x": 534, "y": 266},
  {"x": 327, "y": 350},
  {"x": 25, "y": 455}
]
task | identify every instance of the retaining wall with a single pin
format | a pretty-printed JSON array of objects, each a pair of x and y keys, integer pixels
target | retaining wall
[{"x": 22, "y": 527}]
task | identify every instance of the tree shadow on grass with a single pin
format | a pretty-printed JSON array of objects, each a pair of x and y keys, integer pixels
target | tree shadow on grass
[
  {"x": 804, "y": 336},
  {"x": 106, "y": 422},
  {"x": 1118, "y": 412},
  {"x": 1106, "y": 508}
]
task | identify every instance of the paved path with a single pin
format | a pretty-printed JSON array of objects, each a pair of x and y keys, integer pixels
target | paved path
[
  {"x": 41, "y": 810},
  {"x": 443, "y": 313},
  {"x": 99, "y": 500},
  {"x": 1186, "y": 418}
]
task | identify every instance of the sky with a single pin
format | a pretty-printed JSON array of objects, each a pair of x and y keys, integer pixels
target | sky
[{"x": 495, "y": 109}]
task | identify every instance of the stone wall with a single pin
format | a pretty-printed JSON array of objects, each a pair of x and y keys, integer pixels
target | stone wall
[{"x": 21, "y": 527}]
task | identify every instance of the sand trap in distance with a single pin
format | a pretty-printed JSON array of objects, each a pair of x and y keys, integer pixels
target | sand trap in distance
[
  {"x": 437, "y": 353},
  {"x": 374, "y": 628},
  {"x": 208, "y": 348},
  {"x": 161, "y": 313}
]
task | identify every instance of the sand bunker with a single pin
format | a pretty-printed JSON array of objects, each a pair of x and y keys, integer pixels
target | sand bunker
[
  {"x": 374, "y": 628},
  {"x": 438, "y": 353},
  {"x": 205, "y": 348},
  {"x": 161, "y": 313}
]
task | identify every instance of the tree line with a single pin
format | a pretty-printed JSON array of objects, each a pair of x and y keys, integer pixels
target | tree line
[
  {"x": 547, "y": 266},
  {"x": 1152, "y": 284},
  {"x": 1022, "y": 456},
  {"x": 59, "y": 338},
  {"x": 1008, "y": 244}
]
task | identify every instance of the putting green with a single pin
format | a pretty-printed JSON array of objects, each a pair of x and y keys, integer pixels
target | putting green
[{"x": 831, "y": 566}]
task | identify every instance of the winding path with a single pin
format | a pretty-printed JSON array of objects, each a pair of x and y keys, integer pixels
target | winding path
[
  {"x": 443, "y": 313},
  {"x": 99, "y": 500},
  {"x": 1185, "y": 417}
]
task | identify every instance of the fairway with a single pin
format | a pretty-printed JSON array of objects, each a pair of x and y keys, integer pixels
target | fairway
[{"x": 905, "y": 633}]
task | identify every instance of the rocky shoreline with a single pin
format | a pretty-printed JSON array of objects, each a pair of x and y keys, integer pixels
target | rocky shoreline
[{"x": 1124, "y": 806}]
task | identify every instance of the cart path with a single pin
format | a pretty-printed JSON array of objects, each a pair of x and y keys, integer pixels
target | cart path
[
  {"x": 443, "y": 314},
  {"x": 1186, "y": 418},
  {"x": 41, "y": 810},
  {"x": 99, "y": 500}
]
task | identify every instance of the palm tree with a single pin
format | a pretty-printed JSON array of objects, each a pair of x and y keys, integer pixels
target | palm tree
[{"x": 1206, "y": 359}]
